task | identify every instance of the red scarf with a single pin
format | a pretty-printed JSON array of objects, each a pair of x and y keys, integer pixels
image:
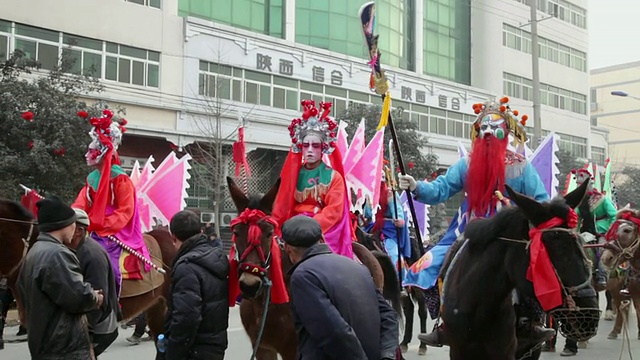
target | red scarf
[
  {"x": 279, "y": 294},
  {"x": 541, "y": 271}
]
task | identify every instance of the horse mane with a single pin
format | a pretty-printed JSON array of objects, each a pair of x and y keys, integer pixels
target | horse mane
[
  {"x": 16, "y": 209},
  {"x": 481, "y": 232}
]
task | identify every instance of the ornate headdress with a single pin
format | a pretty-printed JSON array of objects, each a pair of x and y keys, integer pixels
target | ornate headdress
[
  {"x": 583, "y": 171},
  {"x": 503, "y": 110},
  {"x": 314, "y": 122},
  {"x": 106, "y": 132}
]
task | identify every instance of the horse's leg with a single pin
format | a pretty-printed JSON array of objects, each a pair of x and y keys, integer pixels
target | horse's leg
[
  {"x": 408, "y": 308},
  {"x": 636, "y": 305},
  {"x": 609, "y": 313},
  {"x": 421, "y": 300},
  {"x": 615, "y": 295},
  {"x": 155, "y": 318},
  {"x": 268, "y": 354},
  {"x": 135, "y": 305}
]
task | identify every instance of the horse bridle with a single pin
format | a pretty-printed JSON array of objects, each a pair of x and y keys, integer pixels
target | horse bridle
[
  {"x": 568, "y": 291},
  {"x": 626, "y": 253},
  {"x": 25, "y": 242},
  {"x": 253, "y": 218}
]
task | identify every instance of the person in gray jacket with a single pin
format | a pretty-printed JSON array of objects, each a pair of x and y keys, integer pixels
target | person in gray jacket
[
  {"x": 51, "y": 285},
  {"x": 97, "y": 271}
]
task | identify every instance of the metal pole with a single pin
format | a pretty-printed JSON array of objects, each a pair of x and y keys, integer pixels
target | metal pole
[{"x": 537, "y": 126}]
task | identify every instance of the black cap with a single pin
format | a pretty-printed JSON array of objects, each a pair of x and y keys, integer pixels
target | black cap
[
  {"x": 301, "y": 231},
  {"x": 53, "y": 214}
]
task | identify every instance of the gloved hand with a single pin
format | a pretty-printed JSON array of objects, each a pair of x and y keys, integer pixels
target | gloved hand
[{"x": 407, "y": 182}]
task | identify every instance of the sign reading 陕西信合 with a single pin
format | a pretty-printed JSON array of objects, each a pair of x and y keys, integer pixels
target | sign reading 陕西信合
[{"x": 276, "y": 58}]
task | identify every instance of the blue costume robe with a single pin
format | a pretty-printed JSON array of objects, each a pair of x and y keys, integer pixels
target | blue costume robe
[
  {"x": 520, "y": 175},
  {"x": 391, "y": 234}
]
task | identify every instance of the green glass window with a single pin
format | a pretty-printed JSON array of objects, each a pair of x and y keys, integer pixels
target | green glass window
[
  {"x": 263, "y": 16},
  {"x": 447, "y": 39},
  {"x": 334, "y": 25}
]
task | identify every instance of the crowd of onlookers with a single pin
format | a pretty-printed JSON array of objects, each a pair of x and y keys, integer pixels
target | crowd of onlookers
[{"x": 67, "y": 286}]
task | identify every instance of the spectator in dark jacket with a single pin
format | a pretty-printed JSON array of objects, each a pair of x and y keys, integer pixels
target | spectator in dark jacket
[
  {"x": 53, "y": 291},
  {"x": 198, "y": 315},
  {"x": 97, "y": 271},
  {"x": 338, "y": 312}
]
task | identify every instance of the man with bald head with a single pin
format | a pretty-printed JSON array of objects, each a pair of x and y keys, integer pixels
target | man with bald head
[
  {"x": 97, "y": 271},
  {"x": 337, "y": 310}
]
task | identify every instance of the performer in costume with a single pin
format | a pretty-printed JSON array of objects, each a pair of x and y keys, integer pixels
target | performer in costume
[
  {"x": 596, "y": 214},
  {"x": 488, "y": 167},
  {"x": 109, "y": 198},
  {"x": 311, "y": 187},
  {"x": 390, "y": 222}
]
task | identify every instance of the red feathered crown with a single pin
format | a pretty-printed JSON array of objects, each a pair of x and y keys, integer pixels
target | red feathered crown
[
  {"x": 314, "y": 122},
  {"x": 106, "y": 132}
]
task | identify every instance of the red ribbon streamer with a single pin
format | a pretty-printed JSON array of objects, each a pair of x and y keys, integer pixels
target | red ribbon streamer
[{"x": 541, "y": 272}]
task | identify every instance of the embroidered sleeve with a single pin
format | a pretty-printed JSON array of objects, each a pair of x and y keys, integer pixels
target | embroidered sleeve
[
  {"x": 124, "y": 203},
  {"x": 333, "y": 203},
  {"x": 444, "y": 186}
]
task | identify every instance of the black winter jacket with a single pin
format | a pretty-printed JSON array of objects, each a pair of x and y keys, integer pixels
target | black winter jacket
[
  {"x": 56, "y": 299},
  {"x": 198, "y": 314},
  {"x": 337, "y": 310}
]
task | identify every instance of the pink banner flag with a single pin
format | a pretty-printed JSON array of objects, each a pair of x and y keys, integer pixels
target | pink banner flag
[
  {"x": 342, "y": 143},
  {"x": 366, "y": 174},
  {"x": 356, "y": 149}
]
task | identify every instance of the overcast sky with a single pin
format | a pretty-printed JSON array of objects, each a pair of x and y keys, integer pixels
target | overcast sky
[{"x": 614, "y": 32}]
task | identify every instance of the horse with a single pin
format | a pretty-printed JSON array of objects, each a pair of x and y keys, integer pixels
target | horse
[
  {"x": 277, "y": 326},
  {"x": 622, "y": 258},
  {"x": 18, "y": 233},
  {"x": 415, "y": 295},
  {"x": 493, "y": 261}
]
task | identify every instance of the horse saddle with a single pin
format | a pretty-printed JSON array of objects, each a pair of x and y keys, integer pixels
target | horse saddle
[{"x": 151, "y": 279}]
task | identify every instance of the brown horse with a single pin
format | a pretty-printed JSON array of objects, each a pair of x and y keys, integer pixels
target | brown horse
[
  {"x": 622, "y": 258},
  {"x": 279, "y": 335},
  {"x": 18, "y": 231}
]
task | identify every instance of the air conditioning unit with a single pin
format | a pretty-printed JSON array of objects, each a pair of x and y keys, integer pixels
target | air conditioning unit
[
  {"x": 207, "y": 217},
  {"x": 226, "y": 218}
]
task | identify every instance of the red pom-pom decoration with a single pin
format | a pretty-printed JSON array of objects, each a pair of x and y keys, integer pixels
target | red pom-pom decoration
[
  {"x": 504, "y": 100},
  {"x": 525, "y": 118},
  {"x": 59, "y": 152},
  {"x": 503, "y": 108},
  {"x": 123, "y": 122},
  {"x": 27, "y": 115},
  {"x": 515, "y": 112},
  {"x": 30, "y": 144},
  {"x": 411, "y": 165},
  {"x": 477, "y": 111},
  {"x": 107, "y": 113},
  {"x": 83, "y": 114}
]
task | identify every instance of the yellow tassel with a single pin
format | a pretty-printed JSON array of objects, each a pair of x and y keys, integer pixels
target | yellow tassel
[{"x": 386, "y": 107}]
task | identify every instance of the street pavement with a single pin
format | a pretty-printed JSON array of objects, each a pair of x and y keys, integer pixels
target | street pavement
[{"x": 239, "y": 346}]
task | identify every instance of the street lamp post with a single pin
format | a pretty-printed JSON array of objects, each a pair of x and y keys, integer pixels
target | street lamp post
[{"x": 623, "y": 94}]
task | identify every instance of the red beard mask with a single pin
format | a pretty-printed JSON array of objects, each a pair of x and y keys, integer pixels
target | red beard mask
[{"x": 486, "y": 173}]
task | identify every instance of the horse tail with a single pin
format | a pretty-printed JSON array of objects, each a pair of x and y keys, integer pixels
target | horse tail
[{"x": 391, "y": 289}]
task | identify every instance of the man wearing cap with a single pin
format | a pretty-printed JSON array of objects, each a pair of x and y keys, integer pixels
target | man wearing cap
[
  {"x": 55, "y": 296},
  {"x": 96, "y": 268},
  {"x": 338, "y": 314}
]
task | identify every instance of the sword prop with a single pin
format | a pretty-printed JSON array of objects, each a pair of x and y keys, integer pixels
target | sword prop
[{"x": 378, "y": 83}]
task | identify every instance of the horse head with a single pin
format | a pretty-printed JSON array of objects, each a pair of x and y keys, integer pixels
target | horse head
[
  {"x": 253, "y": 234},
  {"x": 555, "y": 222},
  {"x": 623, "y": 239}
]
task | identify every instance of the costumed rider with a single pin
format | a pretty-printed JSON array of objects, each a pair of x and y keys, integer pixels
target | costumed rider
[
  {"x": 391, "y": 225},
  {"x": 308, "y": 185},
  {"x": 109, "y": 198},
  {"x": 489, "y": 166},
  {"x": 596, "y": 215}
]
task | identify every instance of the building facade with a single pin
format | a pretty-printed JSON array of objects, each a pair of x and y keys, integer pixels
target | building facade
[
  {"x": 618, "y": 114},
  {"x": 195, "y": 70}
]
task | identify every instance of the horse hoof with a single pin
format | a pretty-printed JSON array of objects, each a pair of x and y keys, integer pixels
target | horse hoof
[
  {"x": 609, "y": 315},
  {"x": 422, "y": 351},
  {"x": 612, "y": 336},
  {"x": 404, "y": 348}
]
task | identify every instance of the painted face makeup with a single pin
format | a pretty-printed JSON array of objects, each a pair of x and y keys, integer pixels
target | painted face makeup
[
  {"x": 312, "y": 148},
  {"x": 92, "y": 155},
  {"x": 493, "y": 125}
]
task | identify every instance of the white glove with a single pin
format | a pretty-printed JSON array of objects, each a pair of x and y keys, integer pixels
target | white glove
[{"x": 407, "y": 182}]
